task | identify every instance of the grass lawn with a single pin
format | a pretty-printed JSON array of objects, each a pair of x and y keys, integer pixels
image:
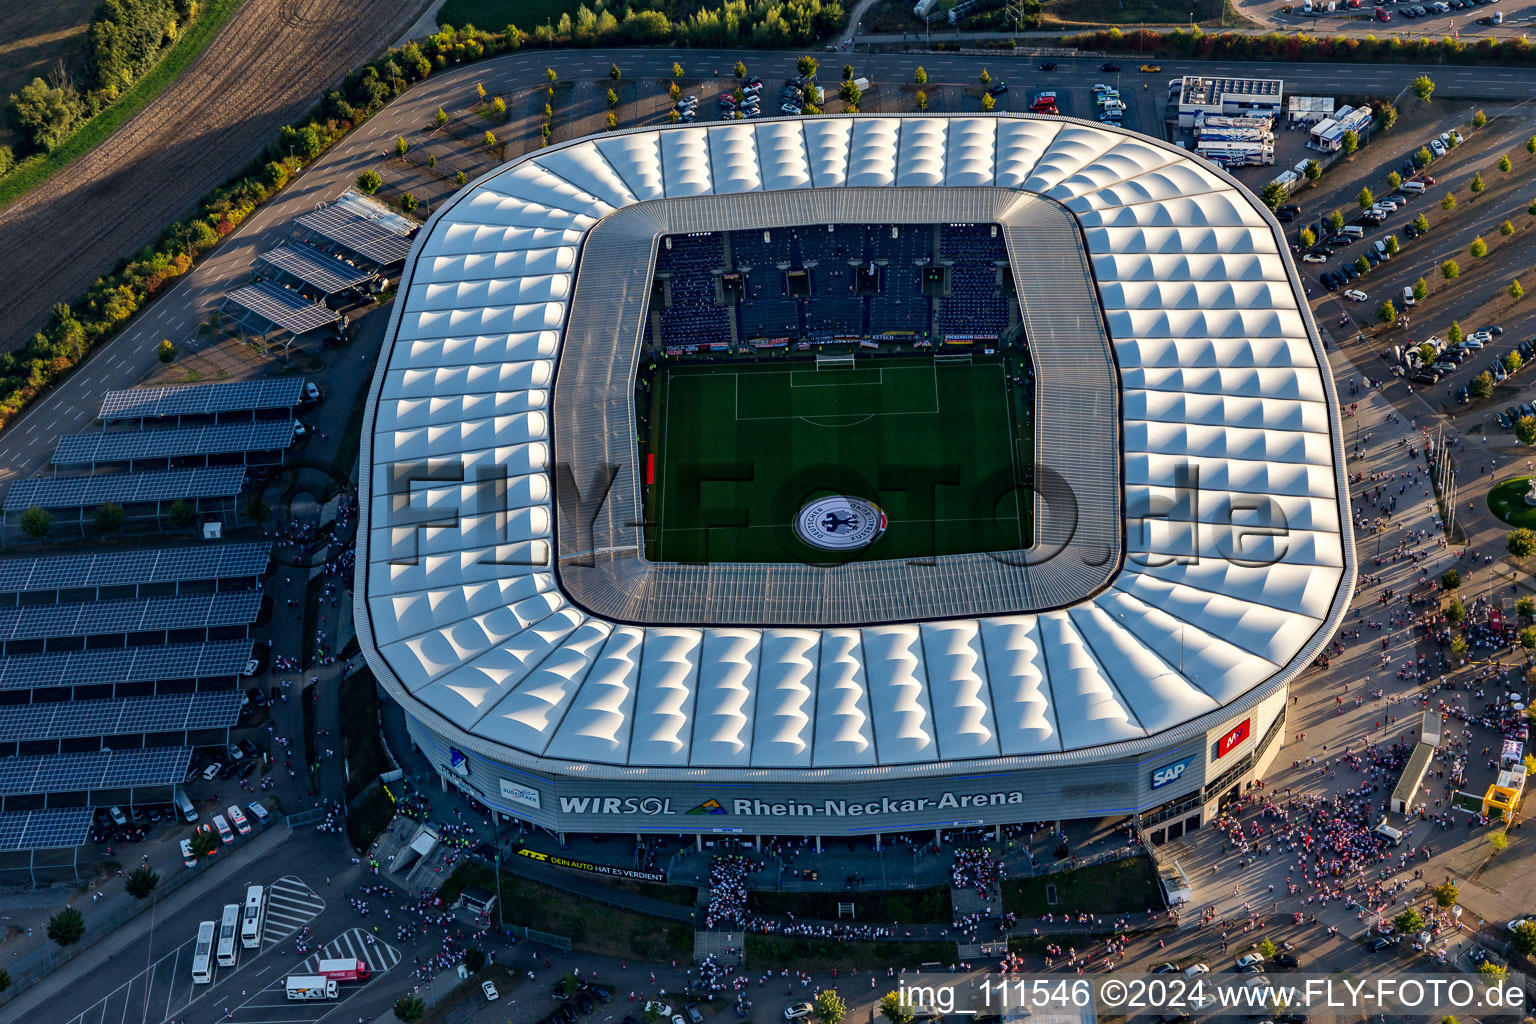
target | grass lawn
[
  {"x": 682, "y": 895},
  {"x": 497, "y": 14},
  {"x": 741, "y": 446},
  {"x": 360, "y": 741},
  {"x": 773, "y": 951},
  {"x": 904, "y": 905},
  {"x": 36, "y": 170},
  {"x": 1125, "y": 885},
  {"x": 1507, "y": 501},
  {"x": 1119, "y": 12},
  {"x": 591, "y": 926}
]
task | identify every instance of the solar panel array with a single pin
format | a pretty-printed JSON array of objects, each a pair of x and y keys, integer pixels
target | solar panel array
[
  {"x": 316, "y": 268},
  {"x": 277, "y": 305},
  {"x": 118, "y": 568},
  {"x": 74, "y": 719},
  {"x": 125, "y": 488},
  {"x": 94, "y": 618},
  {"x": 92, "y": 770},
  {"x": 47, "y": 828},
  {"x": 362, "y": 235},
  {"x": 202, "y": 399},
  {"x": 129, "y": 445},
  {"x": 124, "y": 665}
]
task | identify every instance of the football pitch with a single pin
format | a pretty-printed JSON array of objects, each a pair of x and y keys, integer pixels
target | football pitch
[{"x": 941, "y": 446}]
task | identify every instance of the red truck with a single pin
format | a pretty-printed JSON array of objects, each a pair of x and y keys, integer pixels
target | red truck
[
  {"x": 1044, "y": 103},
  {"x": 343, "y": 970}
]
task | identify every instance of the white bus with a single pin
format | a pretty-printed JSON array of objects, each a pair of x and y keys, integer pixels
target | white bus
[
  {"x": 228, "y": 928},
  {"x": 250, "y": 921},
  {"x": 202, "y": 956}
]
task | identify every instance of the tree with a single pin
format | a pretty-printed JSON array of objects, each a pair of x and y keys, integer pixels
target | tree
[
  {"x": 1307, "y": 238},
  {"x": 921, "y": 99},
  {"x": 1365, "y": 198},
  {"x": 740, "y": 69},
  {"x": 847, "y": 72},
  {"x": 1517, "y": 293},
  {"x": 1525, "y": 607},
  {"x": 614, "y": 72},
  {"x": 1458, "y": 645},
  {"x": 1479, "y": 119},
  {"x": 1272, "y": 194},
  {"x": 489, "y": 139},
  {"x": 1478, "y": 248},
  {"x": 1388, "y": 312},
  {"x": 1267, "y": 950},
  {"x": 181, "y": 513},
  {"x": 1408, "y": 922},
  {"x": 1420, "y": 290},
  {"x": 1513, "y": 360},
  {"x": 1506, "y": 229},
  {"x": 1394, "y": 179},
  {"x": 36, "y": 522},
  {"x": 986, "y": 79},
  {"x": 1386, "y": 116},
  {"x": 1521, "y": 542},
  {"x": 549, "y": 73},
  {"x": 1525, "y": 429},
  {"x": 1335, "y": 221},
  {"x": 674, "y": 92},
  {"x": 1448, "y": 203},
  {"x": 613, "y": 120},
  {"x": 45, "y": 114},
  {"x": 480, "y": 90},
  {"x": 408, "y": 202},
  {"x": 920, "y": 76},
  {"x": 401, "y": 146},
  {"x": 1421, "y": 224},
  {"x": 1489, "y": 969},
  {"x": 1524, "y": 937},
  {"x": 1476, "y": 184},
  {"x": 256, "y": 509},
  {"x": 1450, "y": 579},
  {"x": 66, "y": 927},
  {"x": 1423, "y": 88},
  {"x": 1423, "y": 157},
  {"x": 440, "y": 118},
  {"x": 1456, "y": 612},
  {"x": 895, "y": 1008},
  {"x": 474, "y": 959},
  {"x": 1504, "y": 163},
  {"x": 987, "y": 102},
  {"x": 461, "y": 179},
  {"x": 1454, "y": 332},
  {"x": 1446, "y": 894},
  {"x": 1363, "y": 265},
  {"x": 672, "y": 116},
  {"x": 612, "y": 98},
  {"x": 1482, "y": 385},
  {"x": 141, "y": 882},
  {"x": 1392, "y": 245},
  {"x": 1499, "y": 841},
  {"x": 1450, "y": 270},
  {"x": 203, "y": 844},
  {"x": 1527, "y": 638},
  {"x": 499, "y": 109},
  {"x": 432, "y": 160},
  {"x": 830, "y": 1008},
  {"x": 165, "y": 351},
  {"x": 369, "y": 182},
  {"x": 409, "y": 1008},
  {"x": 677, "y": 70},
  {"x": 1426, "y": 353},
  {"x": 109, "y": 517},
  {"x": 807, "y": 66},
  {"x": 1350, "y": 142}
]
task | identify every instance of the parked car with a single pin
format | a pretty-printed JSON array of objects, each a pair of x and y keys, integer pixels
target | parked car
[
  {"x": 584, "y": 1003},
  {"x": 1287, "y": 960},
  {"x": 1196, "y": 969},
  {"x": 1379, "y": 943},
  {"x": 798, "y": 1011},
  {"x": 1314, "y": 257},
  {"x": 1151, "y": 69},
  {"x": 187, "y": 856},
  {"x": 211, "y": 772}
]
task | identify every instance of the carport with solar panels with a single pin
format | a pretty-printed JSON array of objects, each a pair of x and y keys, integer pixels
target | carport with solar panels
[{"x": 113, "y": 667}]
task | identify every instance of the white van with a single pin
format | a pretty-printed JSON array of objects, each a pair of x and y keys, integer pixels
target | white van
[
  {"x": 1412, "y": 186},
  {"x": 185, "y": 806},
  {"x": 258, "y": 813},
  {"x": 1381, "y": 250},
  {"x": 1353, "y": 232},
  {"x": 1408, "y": 298},
  {"x": 1392, "y": 835}
]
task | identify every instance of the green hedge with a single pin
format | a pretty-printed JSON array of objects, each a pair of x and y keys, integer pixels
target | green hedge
[{"x": 1195, "y": 44}]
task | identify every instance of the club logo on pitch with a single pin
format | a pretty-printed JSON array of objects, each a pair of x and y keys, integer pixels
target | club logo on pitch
[{"x": 840, "y": 523}]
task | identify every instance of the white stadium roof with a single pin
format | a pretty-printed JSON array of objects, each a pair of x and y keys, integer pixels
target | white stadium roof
[{"x": 1220, "y": 375}]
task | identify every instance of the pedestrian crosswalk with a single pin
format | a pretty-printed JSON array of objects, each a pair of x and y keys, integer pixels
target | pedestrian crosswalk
[
  {"x": 290, "y": 904},
  {"x": 353, "y": 944}
]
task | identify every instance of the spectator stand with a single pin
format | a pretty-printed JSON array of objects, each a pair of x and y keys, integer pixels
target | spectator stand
[
  {"x": 326, "y": 278},
  {"x": 269, "y": 314},
  {"x": 143, "y": 496}
]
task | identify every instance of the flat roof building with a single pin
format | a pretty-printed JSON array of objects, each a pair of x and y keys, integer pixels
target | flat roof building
[{"x": 1235, "y": 97}]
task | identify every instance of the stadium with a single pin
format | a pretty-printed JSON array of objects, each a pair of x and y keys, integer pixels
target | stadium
[{"x": 849, "y": 475}]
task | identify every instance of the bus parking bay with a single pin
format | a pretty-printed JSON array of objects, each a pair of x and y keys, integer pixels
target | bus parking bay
[{"x": 270, "y": 1003}]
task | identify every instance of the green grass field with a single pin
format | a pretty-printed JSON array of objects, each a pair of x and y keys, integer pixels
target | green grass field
[{"x": 740, "y": 447}]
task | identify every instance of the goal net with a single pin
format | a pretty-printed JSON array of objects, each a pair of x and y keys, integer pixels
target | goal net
[{"x": 841, "y": 361}]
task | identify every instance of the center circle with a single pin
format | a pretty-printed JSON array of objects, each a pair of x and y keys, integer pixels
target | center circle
[{"x": 838, "y": 522}]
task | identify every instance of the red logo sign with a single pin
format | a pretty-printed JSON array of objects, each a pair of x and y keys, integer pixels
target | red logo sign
[{"x": 1229, "y": 742}]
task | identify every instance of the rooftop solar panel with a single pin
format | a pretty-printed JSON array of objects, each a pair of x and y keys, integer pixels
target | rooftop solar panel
[
  {"x": 127, "y": 716},
  {"x": 96, "y": 769},
  {"x": 128, "y": 445},
  {"x": 95, "y": 618},
  {"x": 125, "y": 488},
  {"x": 48, "y": 828},
  {"x": 318, "y": 269},
  {"x": 365, "y": 236},
  {"x": 124, "y": 665},
  {"x": 202, "y": 399},
  {"x": 117, "y": 568},
  {"x": 277, "y": 305}
]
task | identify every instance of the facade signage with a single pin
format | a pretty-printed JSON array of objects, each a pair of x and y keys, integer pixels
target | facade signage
[
  {"x": 525, "y": 795},
  {"x": 1170, "y": 773},
  {"x": 596, "y": 869},
  {"x": 1233, "y": 737},
  {"x": 751, "y": 808}
]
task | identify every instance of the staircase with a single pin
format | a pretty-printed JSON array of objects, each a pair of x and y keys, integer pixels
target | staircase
[{"x": 725, "y": 947}]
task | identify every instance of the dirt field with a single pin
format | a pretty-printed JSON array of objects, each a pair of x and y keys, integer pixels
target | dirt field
[
  {"x": 264, "y": 70},
  {"x": 33, "y": 36}
]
